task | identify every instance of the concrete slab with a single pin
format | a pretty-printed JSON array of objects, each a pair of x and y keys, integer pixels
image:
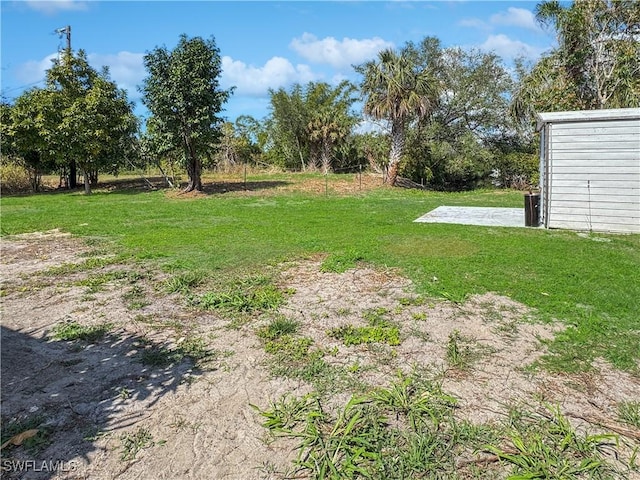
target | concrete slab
[{"x": 484, "y": 216}]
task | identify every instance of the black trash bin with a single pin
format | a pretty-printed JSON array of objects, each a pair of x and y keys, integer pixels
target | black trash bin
[{"x": 531, "y": 209}]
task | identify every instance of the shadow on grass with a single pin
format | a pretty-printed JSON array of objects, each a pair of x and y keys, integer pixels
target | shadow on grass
[
  {"x": 73, "y": 393},
  {"x": 217, "y": 188},
  {"x": 131, "y": 186}
]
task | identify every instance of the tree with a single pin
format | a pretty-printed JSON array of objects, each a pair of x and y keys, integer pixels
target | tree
[
  {"x": 80, "y": 118},
  {"x": 399, "y": 90},
  {"x": 182, "y": 93},
  {"x": 309, "y": 124},
  {"x": 93, "y": 123},
  {"x": 287, "y": 127},
  {"x": 453, "y": 148},
  {"x": 29, "y": 124},
  {"x": 596, "y": 64},
  {"x": 330, "y": 119}
]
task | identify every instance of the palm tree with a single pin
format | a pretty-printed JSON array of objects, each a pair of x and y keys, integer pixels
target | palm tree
[
  {"x": 397, "y": 90},
  {"x": 330, "y": 119},
  {"x": 598, "y": 48}
]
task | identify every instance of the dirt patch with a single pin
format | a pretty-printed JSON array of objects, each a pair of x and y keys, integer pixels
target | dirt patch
[
  {"x": 109, "y": 408},
  {"x": 344, "y": 184}
]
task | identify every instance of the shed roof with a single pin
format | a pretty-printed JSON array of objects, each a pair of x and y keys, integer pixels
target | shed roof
[{"x": 587, "y": 115}]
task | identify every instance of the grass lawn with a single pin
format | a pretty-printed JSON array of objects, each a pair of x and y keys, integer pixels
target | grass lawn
[{"x": 589, "y": 282}]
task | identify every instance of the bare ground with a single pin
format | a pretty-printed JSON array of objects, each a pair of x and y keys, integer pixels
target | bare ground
[{"x": 97, "y": 402}]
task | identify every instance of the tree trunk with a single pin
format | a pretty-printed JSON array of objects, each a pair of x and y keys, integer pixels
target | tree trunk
[
  {"x": 73, "y": 175},
  {"x": 325, "y": 157},
  {"x": 395, "y": 154},
  {"x": 87, "y": 183},
  {"x": 194, "y": 169}
]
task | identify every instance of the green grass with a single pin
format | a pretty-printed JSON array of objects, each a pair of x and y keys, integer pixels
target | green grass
[
  {"x": 134, "y": 442},
  {"x": 591, "y": 286},
  {"x": 71, "y": 331},
  {"x": 33, "y": 444},
  {"x": 408, "y": 430}
]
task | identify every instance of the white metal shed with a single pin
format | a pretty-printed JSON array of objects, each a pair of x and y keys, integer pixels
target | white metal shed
[{"x": 590, "y": 170}]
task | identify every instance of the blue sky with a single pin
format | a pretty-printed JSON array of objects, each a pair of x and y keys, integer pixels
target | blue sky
[{"x": 264, "y": 44}]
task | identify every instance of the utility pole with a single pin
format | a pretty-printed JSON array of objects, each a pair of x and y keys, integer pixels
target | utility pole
[
  {"x": 73, "y": 174},
  {"x": 66, "y": 31}
]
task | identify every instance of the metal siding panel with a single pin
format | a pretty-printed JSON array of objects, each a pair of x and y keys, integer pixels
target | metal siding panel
[
  {"x": 594, "y": 170},
  {"x": 602, "y": 227},
  {"x": 597, "y": 156}
]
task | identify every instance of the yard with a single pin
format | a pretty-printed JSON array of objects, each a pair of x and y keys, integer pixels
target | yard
[{"x": 303, "y": 326}]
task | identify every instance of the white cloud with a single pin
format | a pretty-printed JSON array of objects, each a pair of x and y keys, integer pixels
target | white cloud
[
  {"x": 125, "y": 68},
  {"x": 277, "y": 72},
  {"x": 338, "y": 54},
  {"x": 49, "y": 7},
  {"x": 34, "y": 70},
  {"x": 474, "y": 23},
  {"x": 508, "y": 48},
  {"x": 516, "y": 17}
]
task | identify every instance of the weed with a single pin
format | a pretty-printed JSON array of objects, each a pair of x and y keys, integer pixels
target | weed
[
  {"x": 135, "y": 298},
  {"x": 180, "y": 424},
  {"x": 508, "y": 329},
  {"x": 124, "y": 393},
  {"x": 351, "y": 335},
  {"x": 345, "y": 447},
  {"x": 379, "y": 330},
  {"x": 94, "y": 283},
  {"x": 72, "y": 330},
  {"x": 278, "y": 327},
  {"x": 246, "y": 296},
  {"x": 288, "y": 347},
  {"x": 341, "y": 262},
  {"x": 411, "y": 301},
  {"x": 184, "y": 282},
  {"x": 192, "y": 347},
  {"x": 88, "y": 264},
  {"x": 419, "y": 316},
  {"x": 158, "y": 356},
  {"x": 421, "y": 334},
  {"x": 463, "y": 351},
  {"x": 359, "y": 441},
  {"x": 376, "y": 316},
  {"x": 134, "y": 442},
  {"x": 545, "y": 445},
  {"x": 420, "y": 403},
  {"x": 629, "y": 413}
]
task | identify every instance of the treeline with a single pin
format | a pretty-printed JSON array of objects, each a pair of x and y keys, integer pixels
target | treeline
[{"x": 448, "y": 118}]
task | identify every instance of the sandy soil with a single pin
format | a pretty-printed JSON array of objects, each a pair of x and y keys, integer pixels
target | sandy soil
[{"x": 199, "y": 422}]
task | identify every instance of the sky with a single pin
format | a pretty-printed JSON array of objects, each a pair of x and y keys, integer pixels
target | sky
[{"x": 263, "y": 44}]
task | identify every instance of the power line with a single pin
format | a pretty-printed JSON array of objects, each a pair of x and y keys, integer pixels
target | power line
[{"x": 21, "y": 87}]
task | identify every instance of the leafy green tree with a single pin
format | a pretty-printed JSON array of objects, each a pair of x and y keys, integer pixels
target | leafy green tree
[
  {"x": 80, "y": 118},
  {"x": 96, "y": 126},
  {"x": 596, "y": 64},
  {"x": 28, "y": 132},
  {"x": 309, "y": 124},
  {"x": 236, "y": 147},
  {"x": 183, "y": 94},
  {"x": 331, "y": 120},
  {"x": 287, "y": 126},
  {"x": 397, "y": 89},
  {"x": 453, "y": 148}
]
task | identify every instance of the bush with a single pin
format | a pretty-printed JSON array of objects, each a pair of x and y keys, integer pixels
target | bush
[
  {"x": 14, "y": 177},
  {"x": 518, "y": 170}
]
